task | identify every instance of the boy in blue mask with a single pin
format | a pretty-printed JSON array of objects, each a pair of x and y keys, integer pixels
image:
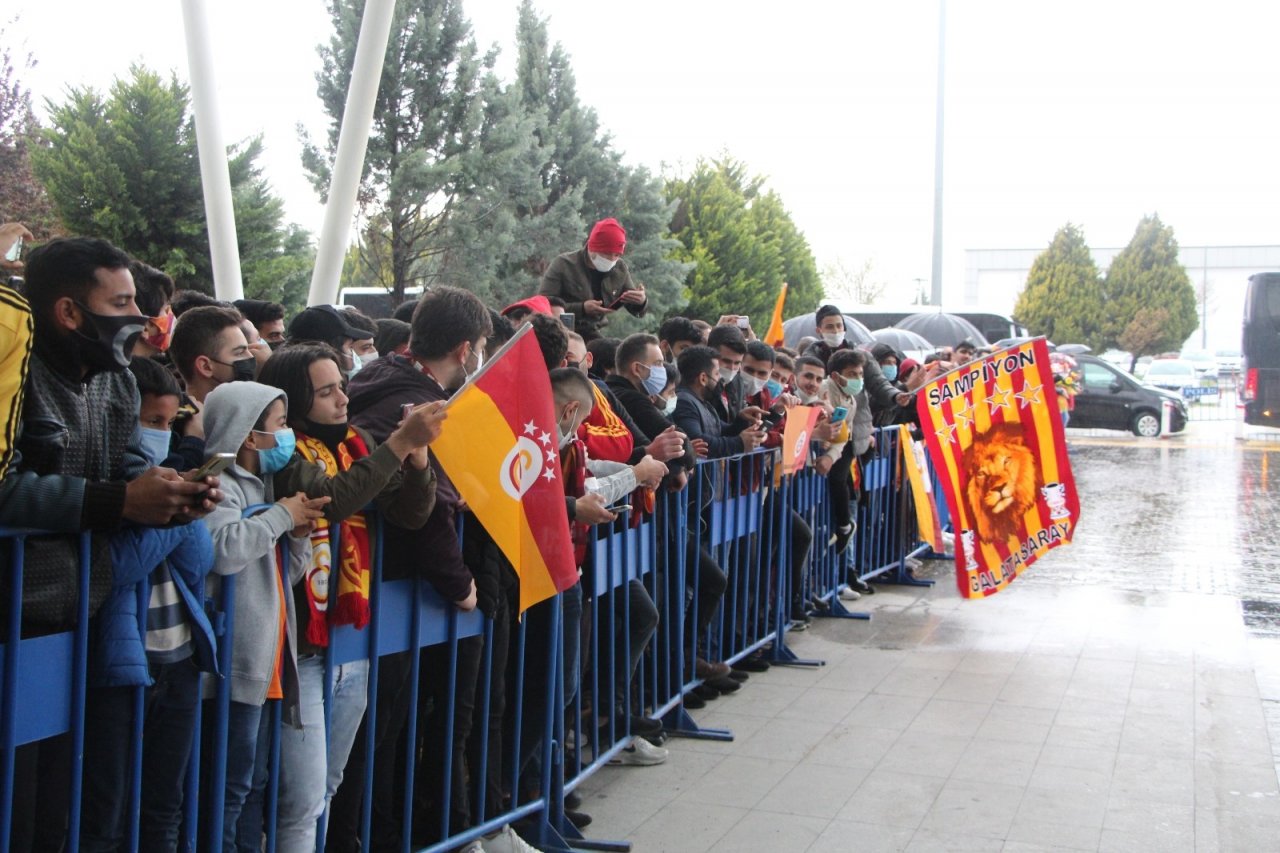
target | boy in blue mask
[{"x": 249, "y": 420}]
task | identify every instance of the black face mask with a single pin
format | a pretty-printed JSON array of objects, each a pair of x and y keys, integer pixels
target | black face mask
[
  {"x": 242, "y": 369},
  {"x": 331, "y": 434},
  {"x": 106, "y": 342},
  {"x": 275, "y": 345}
]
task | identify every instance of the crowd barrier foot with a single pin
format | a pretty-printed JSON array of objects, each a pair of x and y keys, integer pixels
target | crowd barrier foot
[
  {"x": 783, "y": 656},
  {"x": 837, "y": 610},
  {"x": 573, "y": 837},
  {"x": 678, "y": 723}
]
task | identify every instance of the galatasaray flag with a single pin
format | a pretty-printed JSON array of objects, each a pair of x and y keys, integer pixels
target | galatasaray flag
[
  {"x": 996, "y": 441},
  {"x": 921, "y": 489},
  {"x": 773, "y": 337},
  {"x": 796, "y": 437},
  {"x": 500, "y": 447}
]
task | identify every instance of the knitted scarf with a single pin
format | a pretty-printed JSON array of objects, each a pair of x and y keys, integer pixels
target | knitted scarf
[{"x": 352, "y": 604}]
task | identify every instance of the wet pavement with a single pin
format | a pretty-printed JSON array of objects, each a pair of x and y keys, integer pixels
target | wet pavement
[{"x": 1123, "y": 694}]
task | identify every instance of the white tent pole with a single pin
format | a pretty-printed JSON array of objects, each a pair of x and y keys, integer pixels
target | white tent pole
[
  {"x": 353, "y": 140},
  {"x": 215, "y": 179}
]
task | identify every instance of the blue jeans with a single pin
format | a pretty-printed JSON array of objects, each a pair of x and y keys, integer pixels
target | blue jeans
[
  {"x": 310, "y": 765},
  {"x": 243, "y": 724}
]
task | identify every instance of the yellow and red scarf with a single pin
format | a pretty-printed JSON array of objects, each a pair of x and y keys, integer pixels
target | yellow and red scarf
[{"x": 351, "y": 606}]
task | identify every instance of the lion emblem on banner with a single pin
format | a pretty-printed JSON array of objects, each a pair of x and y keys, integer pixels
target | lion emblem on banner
[{"x": 1002, "y": 481}]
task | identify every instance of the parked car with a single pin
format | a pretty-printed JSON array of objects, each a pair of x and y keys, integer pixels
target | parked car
[
  {"x": 1110, "y": 398},
  {"x": 1229, "y": 361},
  {"x": 1205, "y": 363},
  {"x": 1180, "y": 375}
]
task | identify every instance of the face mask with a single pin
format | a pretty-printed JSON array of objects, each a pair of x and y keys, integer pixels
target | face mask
[
  {"x": 155, "y": 444},
  {"x": 669, "y": 408},
  {"x": 656, "y": 380},
  {"x": 854, "y": 387},
  {"x": 727, "y": 375},
  {"x": 164, "y": 331},
  {"x": 368, "y": 359},
  {"x": 890, "y": 371},
  {"x": 807, "y": 399},
  {"x": 479, "y": 363},
  {"x": 356, "y": 364},
  {"x": 774, "y": 387},
  {"x": 566, "y": 437},
  {"x": 754, "y": 385},
  {"x": 601, "y": 264},
  {"x": 833, "y": 339},
  {"x": 275, "y": 345},
  {"x": 243, "y": 369},
  {"x": 274, "y": 459},
  {"x": 107, "y": 342}
]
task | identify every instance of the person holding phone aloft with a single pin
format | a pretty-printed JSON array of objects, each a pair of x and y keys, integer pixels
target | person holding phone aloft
[{"x": 594, "y": 281}]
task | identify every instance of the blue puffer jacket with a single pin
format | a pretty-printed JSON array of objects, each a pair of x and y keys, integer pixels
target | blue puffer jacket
[{"x": 118, "y": 655}]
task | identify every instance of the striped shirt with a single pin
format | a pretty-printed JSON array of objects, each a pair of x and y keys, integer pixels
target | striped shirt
[{"x": 168, "y": 630}]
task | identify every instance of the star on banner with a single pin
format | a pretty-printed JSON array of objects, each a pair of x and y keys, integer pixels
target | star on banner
[
  {"x": 999, "y": 400},
  {"x": 947, "y": 433},
  {"x": 965, "y": 415},
  {"x": 530, "y": 428},
  {"x": 549, "y": 475},
  {"x": 551, "y": 457},
  {"x": 1030, "y": 395},
  {"x": 545, "y": 439}
]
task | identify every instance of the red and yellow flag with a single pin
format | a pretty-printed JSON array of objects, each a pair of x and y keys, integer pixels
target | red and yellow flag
[
  {"x": 774, "y": 337},
  {"x": 500, "y": 447},
  {"x": 921, "y": 489},
  {"x": 996, "y": 439},
  {"x": 796, "y": 437}
]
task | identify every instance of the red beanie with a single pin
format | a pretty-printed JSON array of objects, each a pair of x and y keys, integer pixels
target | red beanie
[{"x": 608, "y": 237}]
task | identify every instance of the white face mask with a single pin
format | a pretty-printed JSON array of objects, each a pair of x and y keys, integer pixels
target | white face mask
[
  {"x": 833, "y": 339},
  {"x": 566, "y": 437},
  {"x": 806, "y": 399},
  {"x": 727, "y": 375},
  {"x": 754, "y": 385},
  {"x": 368, "y": 358},
  {"x": 601, "y": 264},
  {"x": 669, "y": 407}
]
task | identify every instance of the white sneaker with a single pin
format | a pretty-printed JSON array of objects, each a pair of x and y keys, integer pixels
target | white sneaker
[
  {"x": 913, "y": 564},
  {"x": 848, "y": 593},
  {"x": 506, "y": 841},
  {"x": 640, "y": 753},
  {"x": 473, "y": 847}
]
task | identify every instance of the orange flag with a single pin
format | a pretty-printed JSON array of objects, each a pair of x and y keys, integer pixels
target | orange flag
[
  {"x": 500, "y": 448},
  {"x": 773, "y": 337},
  {"x": 796, "y": 436},
  {"x": 995, "y": 437}
]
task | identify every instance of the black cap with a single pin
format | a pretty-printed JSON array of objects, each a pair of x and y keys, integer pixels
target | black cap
[{"x": 324, "y": 323}]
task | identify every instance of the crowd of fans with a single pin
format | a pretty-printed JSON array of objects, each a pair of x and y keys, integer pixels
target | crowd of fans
[{"x": 154, "y": 419}]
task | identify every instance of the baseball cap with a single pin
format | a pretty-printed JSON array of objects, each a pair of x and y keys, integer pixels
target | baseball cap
[{"x": 324, "y": 323}]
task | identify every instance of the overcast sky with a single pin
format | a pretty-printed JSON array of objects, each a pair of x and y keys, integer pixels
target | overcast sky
[{"x": 1094, "y": 113}]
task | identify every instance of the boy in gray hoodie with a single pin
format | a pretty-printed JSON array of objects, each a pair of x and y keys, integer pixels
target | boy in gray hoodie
[{"x": 248, "y": 419}]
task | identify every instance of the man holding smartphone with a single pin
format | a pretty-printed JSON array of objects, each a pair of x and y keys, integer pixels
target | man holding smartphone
[{"x": 594, "y": 281}]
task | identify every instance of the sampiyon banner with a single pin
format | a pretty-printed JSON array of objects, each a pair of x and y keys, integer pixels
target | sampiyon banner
[
  {"x": 996, "y": 440},
  {"x": 500, "y": 447}
]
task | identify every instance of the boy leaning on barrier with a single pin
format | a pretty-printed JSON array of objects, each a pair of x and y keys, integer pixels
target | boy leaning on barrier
[
  {"x": 248, "y": 419},
  {"x": 337, "y": 460},
  {"x": 78, "y": 467}
]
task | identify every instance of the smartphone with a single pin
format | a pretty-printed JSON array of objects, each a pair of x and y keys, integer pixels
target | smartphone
[
  {"x": 406, "y": 409},
  {"x": 214, "y": 465},
  {"x": 15, "y": 251},
  {"x": 744, "y": 322},
  {"x": 619, "y": 508},
  {"x": 615, "y": 303},
  {"x": 772, "y": 419},
  {"x": 568, "y": 320},
  {"x": 839, "y": 414}
]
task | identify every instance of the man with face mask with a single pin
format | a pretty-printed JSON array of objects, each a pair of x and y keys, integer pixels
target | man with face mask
[
  {"x": 594, "y": 281},
  {"x": 79, "y": 466},
  {"x": 446, "y": 346}
]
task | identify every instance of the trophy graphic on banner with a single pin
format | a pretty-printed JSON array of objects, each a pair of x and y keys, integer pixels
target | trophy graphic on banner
[
  {"x": 968, "y": 544},
  {"x": 1055, "y": 495}
]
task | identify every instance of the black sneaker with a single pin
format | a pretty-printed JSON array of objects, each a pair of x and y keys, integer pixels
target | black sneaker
[
  {"x": 724, "y": 684},
  {"x": 580, "y": 820},
  {"x": 706, "y": 692},
  {"x": 861, "y": 587},
  {"x": 692, "y": 702},
  {"x": 645, "y": 727},
  {"x": 572, "y": 800},
  {"x": 752, "y": 664},
  {"x": 842, "y": 537},
  {"x": 739, "y": 675}
]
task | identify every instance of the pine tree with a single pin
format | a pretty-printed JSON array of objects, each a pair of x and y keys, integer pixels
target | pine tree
[
  {"x": 125, "y": 168},
  {"x": 742, "y": 243},
  {"x": 1062, "y": 299},
  {"x": 22, "y": 197},
  {"x": 443, "y": 149},
  {"x": 1146, "y": 274}
]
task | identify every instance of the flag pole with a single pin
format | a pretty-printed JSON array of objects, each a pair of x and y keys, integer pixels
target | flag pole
[
  {"x": 353, "y": 141},
  {"x": 215, "y": 179}
]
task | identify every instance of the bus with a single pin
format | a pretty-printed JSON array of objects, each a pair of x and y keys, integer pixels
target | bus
[
  {"x": 994, "y": 327},
  {"x": 1260, "y": 350},
  {"x": 374, "y": 302}
]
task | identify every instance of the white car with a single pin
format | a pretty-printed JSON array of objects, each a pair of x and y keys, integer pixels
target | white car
[
  {"x": 1180, "y": 375},
  {"x": 1204, "y": 362},
  {"x": 1229, "y": 361}
]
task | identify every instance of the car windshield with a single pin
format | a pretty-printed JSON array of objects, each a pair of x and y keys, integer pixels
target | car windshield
[
  {"x": 1168, "y": 368},
  {"x": 1228, "y": 353}
]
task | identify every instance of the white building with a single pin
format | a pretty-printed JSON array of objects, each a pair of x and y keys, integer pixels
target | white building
[{"x": 994, "y": 277}]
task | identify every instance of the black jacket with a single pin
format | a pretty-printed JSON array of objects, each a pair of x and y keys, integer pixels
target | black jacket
[
  {"x": 645, "y": 414},
  {"x": 570, "y": 277},
  {"x": 376, "y": 394},
  {"x": 697, "y": 419}
]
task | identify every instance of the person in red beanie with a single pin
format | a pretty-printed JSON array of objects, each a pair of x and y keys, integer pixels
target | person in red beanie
[{"x": 594, "y": 281}]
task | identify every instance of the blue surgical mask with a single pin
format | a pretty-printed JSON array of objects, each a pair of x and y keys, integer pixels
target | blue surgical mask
[
  {"x": 274, "y": 459},
  {"x": 656, "y": 380},
  {"x": 890, "y": 371},
  {"x": 853, "y": 386},
  {"x": 774, "y": 387},
  {"x": 155, "y": 444}
]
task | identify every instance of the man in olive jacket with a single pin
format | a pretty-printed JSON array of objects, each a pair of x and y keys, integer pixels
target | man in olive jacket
[{"x": 594, "y": 281}]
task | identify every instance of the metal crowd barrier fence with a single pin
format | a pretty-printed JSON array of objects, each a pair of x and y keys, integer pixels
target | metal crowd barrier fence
[{"x": 532, "y": 715}]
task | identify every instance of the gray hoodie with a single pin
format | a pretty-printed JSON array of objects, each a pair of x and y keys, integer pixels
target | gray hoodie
[{"x": 245, "y": 547}]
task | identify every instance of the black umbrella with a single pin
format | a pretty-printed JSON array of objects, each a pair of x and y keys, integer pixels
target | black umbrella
[
  {"x": 806, "y": 326},
  {"x": 904, "y": 341},
  {"x": 1073, "y": 349},
  {"x": 943, "y": 330}
]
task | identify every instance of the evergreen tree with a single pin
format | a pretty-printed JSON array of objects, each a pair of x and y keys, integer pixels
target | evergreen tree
[
  {"x": 125, "y": 168},
  {"x": 1062, "y": 299},
  {"x": 22, "y": 197},
  {"x": 742, "y": 243},
  {"x": 442, "y": 152},
  {"x": 1146, "y": 274}
]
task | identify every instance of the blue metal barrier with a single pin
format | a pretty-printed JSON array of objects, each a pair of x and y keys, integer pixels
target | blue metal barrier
[{"x": 737, "y": 514}]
